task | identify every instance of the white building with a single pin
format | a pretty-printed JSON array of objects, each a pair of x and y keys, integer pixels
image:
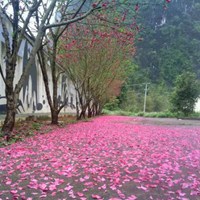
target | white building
[
  {"x": 197, "y": 106},
  {"x": 32, "y": 97}
]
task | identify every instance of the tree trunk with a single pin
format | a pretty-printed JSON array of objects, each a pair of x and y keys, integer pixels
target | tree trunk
[
  {"x": 54, "y": 117},
  {"x": 100, "y": 110},
  {"x": 53, "y": 104},
  {"x": 43, "y": 62},
  {"x": 77, "y": 108},
  {"x": 82, "y": 114},
  {"x": 89, "y": 111},
  {"x": 94, "y": 109},
  {"x": 9, "y": 121}
]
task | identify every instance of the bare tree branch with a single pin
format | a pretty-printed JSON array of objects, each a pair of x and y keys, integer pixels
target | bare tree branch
[
  {"x": 36, "y": 46},
  {"x": 26, "y": 22},
  {"x": 76, "y": 13},
  {"x": 5, "y": 32},
  {"x": 64, "y": 23}
]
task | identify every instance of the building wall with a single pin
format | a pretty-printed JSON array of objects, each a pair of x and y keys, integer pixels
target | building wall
[
  {"x": 197, "y": 106},
  {"x": 32, "y": 97}
]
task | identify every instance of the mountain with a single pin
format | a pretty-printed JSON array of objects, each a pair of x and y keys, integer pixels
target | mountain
[{"x": 170, "y": 40}]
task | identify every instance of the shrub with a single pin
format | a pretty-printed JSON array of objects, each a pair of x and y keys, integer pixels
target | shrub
[
  {"x": 113, "y": 104},
  {"x": 185, "y": 94}
]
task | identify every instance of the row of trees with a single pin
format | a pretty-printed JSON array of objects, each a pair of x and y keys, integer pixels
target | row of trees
[
  {"x": 93, "y": 56},
  {"x": 89, "y": 61},
  {"x": 24, "y": 13}
]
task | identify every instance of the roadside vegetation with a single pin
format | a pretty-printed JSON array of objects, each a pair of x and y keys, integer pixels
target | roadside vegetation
[
  {"x": 166, "y": 114},
  {"x": 34, "y": 125},
  {"x": 178, "y": 102}
]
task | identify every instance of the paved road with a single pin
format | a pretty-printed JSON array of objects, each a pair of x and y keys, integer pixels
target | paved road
[
  {"x": 170, "y": 121},
  {"x": 109, "y": 157}
]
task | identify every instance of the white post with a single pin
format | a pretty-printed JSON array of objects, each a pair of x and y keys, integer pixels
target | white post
[{"x": 145, "y": 96}]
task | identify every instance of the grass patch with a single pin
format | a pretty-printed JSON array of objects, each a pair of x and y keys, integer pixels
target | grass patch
[
  {"x": 166, "y": 114},
  {"x": 161, "y": 115},
  {"x": 36, "y": 126},
  {"x": 43, "y": 118},
  {"x": 117, "y": 112}
]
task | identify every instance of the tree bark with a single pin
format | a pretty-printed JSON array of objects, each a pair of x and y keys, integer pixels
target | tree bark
[
  {"x": 11, "y": 98},
  {"x": 77, "y": 108},
  {"x": 99, "y": 109},
  {"x": 55, "y": 83},
  {"x": 89, "y": 111},
  {"x": 42, "y": 62},
  {"x": 82, "y": 114},
  {"x": 54, "y": 117},
  {"x": 9, "y": 121},
  {"x": 53, "y": 104}
]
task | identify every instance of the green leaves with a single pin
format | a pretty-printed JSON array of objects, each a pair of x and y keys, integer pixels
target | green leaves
[{"x": 186, "y": 93}]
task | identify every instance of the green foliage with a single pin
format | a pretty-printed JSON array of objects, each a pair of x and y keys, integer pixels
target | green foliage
[
  {"x": 112, "y": 105},
  {"x": 185, "y": 94},
  {"x": 158, "y": 98},
  {"x": 119, "y": 112},
  {"x": 132, "y": 98},
  {"x": 36, "y": 126},
  {"x": 166, "y": 114},
  {"x": 197, "y": 26},
  {"x": 195, "y": 115},
  {"x": 43, "y": 118},
  {"x": 172, "y": 47},
  {"x": 197, "y": 6},
  {"x": 133, "y": 101}
]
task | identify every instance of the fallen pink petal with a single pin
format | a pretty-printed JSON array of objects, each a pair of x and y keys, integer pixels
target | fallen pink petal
[
  {"x": 108, "y": 157},
  {"x": 94, "y": 196}
]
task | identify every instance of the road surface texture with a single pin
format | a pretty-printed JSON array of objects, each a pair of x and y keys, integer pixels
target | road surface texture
[{"x": 109, "y": 157}]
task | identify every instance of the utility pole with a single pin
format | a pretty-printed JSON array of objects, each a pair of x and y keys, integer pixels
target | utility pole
[{"x": 145, "y": 96}]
